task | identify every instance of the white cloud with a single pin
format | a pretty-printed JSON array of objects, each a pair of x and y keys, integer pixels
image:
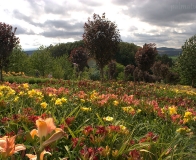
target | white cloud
[{"x": 46, "y": 22}]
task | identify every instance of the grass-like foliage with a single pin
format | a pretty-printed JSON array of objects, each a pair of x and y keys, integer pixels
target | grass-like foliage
[{"x": 92, "y": 120}]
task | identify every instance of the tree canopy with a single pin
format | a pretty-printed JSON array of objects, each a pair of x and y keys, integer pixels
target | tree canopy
[
  {"x": 145, "y": 56},
  {"x": 186, "y": 62},
  {"x": 18, "y": 60},
  {"x": 79, "y": 57},
  {"x": 126, "y": 53},
  {"x": 8, "y": 41},
  {"x": 101, "y": 37},
  {"x": 41, "y": 61}
]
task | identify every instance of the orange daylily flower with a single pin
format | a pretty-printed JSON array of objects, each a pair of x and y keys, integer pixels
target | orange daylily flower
[
  {"x": 8, "y": 147},
  {"x": 46, "y": 127}
]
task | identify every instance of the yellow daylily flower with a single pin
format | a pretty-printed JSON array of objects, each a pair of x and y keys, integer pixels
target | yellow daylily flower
[
  {"x": 58, "y": 102},
  {"x": 86, "y": 109},
  {"x": 25, "y": 85},
  {"x": 82, "y": 100},
  {"x": 172, "y": 110},
  {"x": 16, "y": 99},
  {"x": 115, "y": 103},
  {"x": 64, "y": 100},
  {"x": 43, "y": 104},
  {"x": 188, "y": 116}
]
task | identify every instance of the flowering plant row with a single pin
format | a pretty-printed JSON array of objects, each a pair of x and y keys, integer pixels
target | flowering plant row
[{"x": 92, "y": 120}]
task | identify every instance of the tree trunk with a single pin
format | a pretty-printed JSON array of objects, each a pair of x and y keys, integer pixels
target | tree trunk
[
  {"x": 101, "y": 73},
  {"x": 1, "y": 74},
  {"x": 192, "y": 83}
]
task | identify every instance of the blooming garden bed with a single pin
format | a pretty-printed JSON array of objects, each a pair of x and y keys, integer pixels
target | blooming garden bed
[{"x": 92, "y": 120}]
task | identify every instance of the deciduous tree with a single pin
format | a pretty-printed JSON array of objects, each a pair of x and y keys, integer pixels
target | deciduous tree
[
  {"x": 186, "y": 62},
  {"x": 129, "y": 69},
  {"x": 145, "y": 57},
  {"x": 8, "y": 41},
  {"x": 41, "y": 61},
  {"x": 101, "y": 37},
  {"x": 80, "y": 57},
  {"x": 126, "y": 53},
  {"x": 19, "y": 60},
  {"x": 165, "y": 59}
]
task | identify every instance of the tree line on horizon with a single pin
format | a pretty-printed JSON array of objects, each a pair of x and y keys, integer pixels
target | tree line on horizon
[{"x": 101, "y": 42}]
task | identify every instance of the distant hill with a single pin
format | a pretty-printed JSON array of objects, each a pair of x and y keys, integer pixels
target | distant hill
[
  {"x": 169, "y": 51},
  {"x": 29, "y": 52},
  {"x": 162, "y": 50}
]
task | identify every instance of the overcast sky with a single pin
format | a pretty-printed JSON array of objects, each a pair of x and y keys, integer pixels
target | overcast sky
[{"x": 168, "y": 23}]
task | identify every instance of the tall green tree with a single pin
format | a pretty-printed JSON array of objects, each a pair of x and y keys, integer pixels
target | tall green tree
[
  {"x": 126, "y": 53},
  {"x": 41, "y": 61},
  {"x": 165, "y": 59},
  {"x": 64, "y": 48},
  {"x": 186, "y": 62},
  {"x": 19, "y": 60},
  {"x": 8, "y": 41},
  {"x": 101, "y": 37},
  {"x": 62, "y": 67}
]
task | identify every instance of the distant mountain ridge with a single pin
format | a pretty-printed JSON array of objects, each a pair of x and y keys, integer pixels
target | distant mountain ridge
[
  {"x": 162, "y": 50},
  {"x": 29, "y": 52},
  {"x": 169, "y": 51}
]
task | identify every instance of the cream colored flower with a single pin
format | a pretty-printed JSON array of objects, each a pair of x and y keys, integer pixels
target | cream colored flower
[
  {"x": 34, "y": 157},
  {"x": 108, "y": 118}
]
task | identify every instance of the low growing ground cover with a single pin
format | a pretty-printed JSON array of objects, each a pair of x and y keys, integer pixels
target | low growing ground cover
[{"x": 92, "y": 120}]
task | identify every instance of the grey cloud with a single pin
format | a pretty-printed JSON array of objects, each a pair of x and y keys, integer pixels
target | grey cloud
[
  {"x": 68, "y": 25},
  {"x": 169, "y": 38},
  {"x": 63, "y": 34},
  {"x": 91, "y": 3},
  {"x": 54, "y": 8},
  {"x": 132, "y": 28},
  {"x": 65, "y": 8},
  {"x": 35, "y": 9},
  {"x": 170, "y": 14},
  {"x": 35, "y": 6},
  {"x": 122, "y": 2},
  {"x": 21, "y": 30},
  {"x": 19, "y": 15},
  {"x": 163, "y": 13},
  {"x": 148, "y": 38}
]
